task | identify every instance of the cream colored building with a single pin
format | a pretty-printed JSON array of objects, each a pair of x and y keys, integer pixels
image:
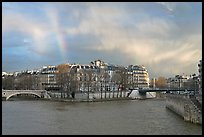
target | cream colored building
[{"x": 138, "y": 76}]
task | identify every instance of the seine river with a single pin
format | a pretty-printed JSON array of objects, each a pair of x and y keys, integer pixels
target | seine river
[{"x": 130, "y": 117}]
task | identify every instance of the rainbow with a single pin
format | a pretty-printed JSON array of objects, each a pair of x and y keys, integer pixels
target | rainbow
[
  {"x": 63, "y": 45},
  {"x": 59, "y": 35}
]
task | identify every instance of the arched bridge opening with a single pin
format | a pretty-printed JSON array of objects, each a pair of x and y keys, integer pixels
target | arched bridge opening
[{"x": 24, "y": 95}]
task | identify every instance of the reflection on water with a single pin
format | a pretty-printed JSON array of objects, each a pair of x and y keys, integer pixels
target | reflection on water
[{"x": 135, "y": 117}]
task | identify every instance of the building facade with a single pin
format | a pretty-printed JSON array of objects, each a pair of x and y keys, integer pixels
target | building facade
[
  {"x": 47, "y": 78},
  {"x": 183, "y": 82},
  {"x": 97, "y": 76},
  {"x": 138, "y": 76}
]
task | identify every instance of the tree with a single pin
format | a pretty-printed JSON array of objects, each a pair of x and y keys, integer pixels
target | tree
[
  {"x": 106, "y": 78},
  {"x": 124, "y": 80},
  {"x": 25, "y": 81},
  {"x": 161, "y": 82},
  {"x": 74, "y": 84},
  {"x": 35, "y": 81},
  {"x": 63, "y": 78},
  {"x": 89, "y": 80},
  {"x": 100, "y": 79},
  {"x": 8, "y": 82},
  {"x": 116, "y": 80}
]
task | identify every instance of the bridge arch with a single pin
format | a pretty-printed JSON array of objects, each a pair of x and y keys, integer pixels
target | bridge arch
[{"x": 18, "y": 93}]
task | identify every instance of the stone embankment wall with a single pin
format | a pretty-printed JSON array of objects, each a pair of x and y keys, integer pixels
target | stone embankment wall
[{"x": 184, "y": 106}]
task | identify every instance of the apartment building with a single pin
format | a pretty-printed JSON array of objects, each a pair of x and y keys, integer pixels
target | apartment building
[{"x": 138, "y": 76}]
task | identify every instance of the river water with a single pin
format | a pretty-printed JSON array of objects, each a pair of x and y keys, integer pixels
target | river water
[{"x": 130, "y": 117}]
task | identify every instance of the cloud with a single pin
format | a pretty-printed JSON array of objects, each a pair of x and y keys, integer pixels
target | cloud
[
  {"x": 36, "y": 32},
  {"x": 118, "y": 33},
  {"x": 150, "y": 40},
  {"x": 168, "y": 5}
]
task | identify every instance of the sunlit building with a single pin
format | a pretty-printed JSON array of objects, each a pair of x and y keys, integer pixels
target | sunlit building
[{"x": 137, "y": 76}]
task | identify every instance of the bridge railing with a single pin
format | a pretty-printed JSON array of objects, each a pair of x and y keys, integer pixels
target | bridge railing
[{"x": 167, "y": 90}]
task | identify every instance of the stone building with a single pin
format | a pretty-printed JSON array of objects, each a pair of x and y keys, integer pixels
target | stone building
[{"x": 137, "y": 76}]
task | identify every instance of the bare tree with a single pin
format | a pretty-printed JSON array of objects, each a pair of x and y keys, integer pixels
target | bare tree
[
  {"x": 106, "y": 78},
  {"x": 25, "y": 81},
  {"x": 64, "y": 79},
  {"x": 8, "y": 82},
  {"x": 89, "y": 74},
  {"x": 116, "y": 78},
  {"x": 73, "y": 81},
  {"x": 124, "y": 80},
  {"x": 120, "y": 78},
  {"x": 100, "y": 79},
  {"x": 36, "y": 81}
]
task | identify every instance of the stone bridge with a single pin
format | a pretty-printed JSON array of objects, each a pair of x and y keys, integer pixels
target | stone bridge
[{"x": 9, "y": 93}]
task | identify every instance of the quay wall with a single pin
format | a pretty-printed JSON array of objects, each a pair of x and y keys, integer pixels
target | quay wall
[{"x": 183, "y": 106}]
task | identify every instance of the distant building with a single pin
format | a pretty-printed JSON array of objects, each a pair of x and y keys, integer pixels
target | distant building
[
  {"x": 183, "y": 82},
  {"x": 47, "y": 78},
  {"x": 97, "y": 76},
  {"x": 110, "y": 79},
  {"x": 86, "y": 77},
  {"x": 99, "y": 63},
  {"x": 138, "y": 76},
  {"x": 6, "y": 74}
]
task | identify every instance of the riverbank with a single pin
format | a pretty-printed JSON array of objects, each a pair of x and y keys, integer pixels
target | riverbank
[
  {"x": 91, "y": 100},
  {"x": 99, "y": 100},
  {"x": 184, "y": 106}
]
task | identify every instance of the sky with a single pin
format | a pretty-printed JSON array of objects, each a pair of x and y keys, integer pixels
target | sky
[{"x": 165, "y": 37}]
